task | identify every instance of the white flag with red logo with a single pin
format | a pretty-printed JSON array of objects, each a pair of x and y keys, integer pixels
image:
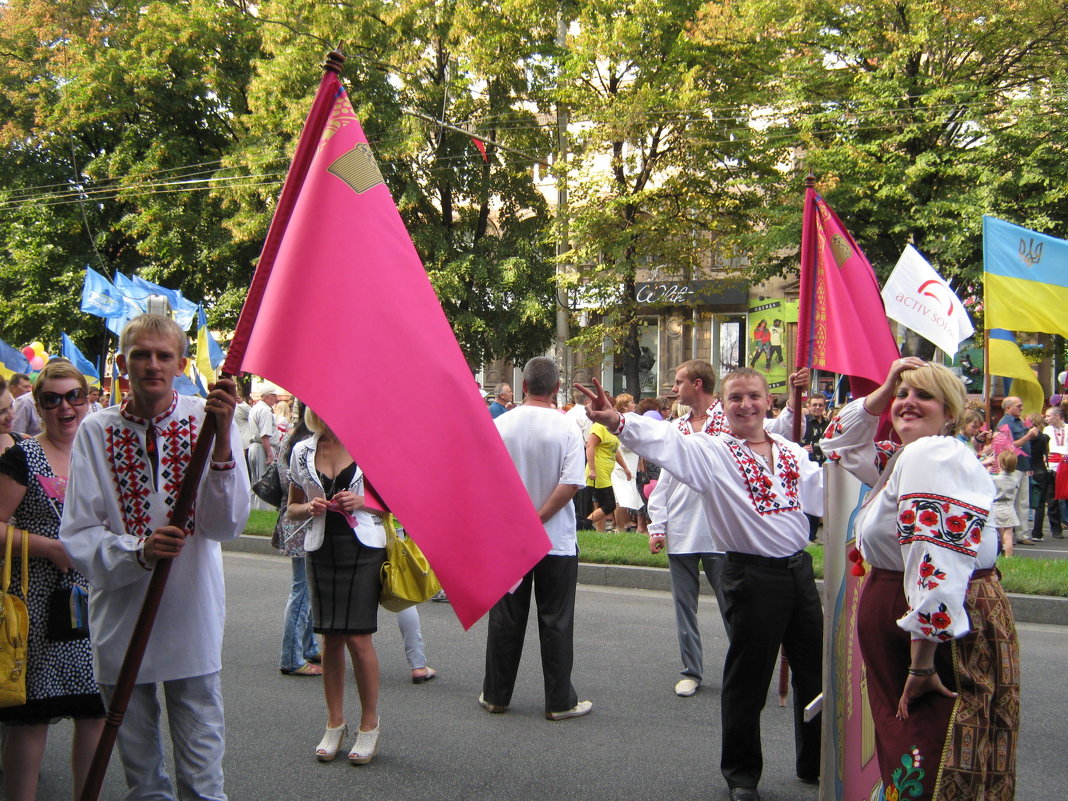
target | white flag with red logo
[{"x": 917, "y": 297}]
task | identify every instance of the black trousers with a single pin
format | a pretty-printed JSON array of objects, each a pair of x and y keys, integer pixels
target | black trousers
[
  {"x": 583, "y": 501},
  {"x": 553, "y": 581},
  {"x": 1044, "y": 482},
  {"x": 769, "y": 604}
]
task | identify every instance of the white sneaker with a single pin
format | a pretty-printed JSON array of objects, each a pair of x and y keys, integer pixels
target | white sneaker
[
  {"x": 686, "y": 687},
  {"x": 577, "y": 711}
]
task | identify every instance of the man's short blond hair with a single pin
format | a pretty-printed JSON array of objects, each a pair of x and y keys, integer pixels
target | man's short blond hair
[{"x": 153, "y": 324}]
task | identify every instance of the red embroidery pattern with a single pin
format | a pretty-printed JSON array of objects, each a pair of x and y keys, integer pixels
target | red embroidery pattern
[
  {"x": 930, "y": 575},
  {"x": 760, "y": 485},
  {"x": 943, "y": 521},
  {"x": 716, "y": 423},
  {"x": 884, "y": 449},
  {"x": 132, "y": 476},
  {"x": 936, "y": 623},
  {"x": 178, "y": 438}
]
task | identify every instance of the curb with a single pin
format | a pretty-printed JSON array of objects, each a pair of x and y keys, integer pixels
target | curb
[{"x": 1026, "y": 608}]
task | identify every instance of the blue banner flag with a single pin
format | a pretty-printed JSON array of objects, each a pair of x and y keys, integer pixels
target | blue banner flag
[
  {"x": 1025, "y": 284},
  {"x": 99, "y": 296},
  {"x": 70, "y": 351},
  {"x": 12, "y": 360},
  {"x": 184, "y": 310}
]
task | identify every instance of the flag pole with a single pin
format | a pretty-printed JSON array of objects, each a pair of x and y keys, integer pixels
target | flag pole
[
  {"x": 307, "y": 146},
  {"x": 135, "y": 652},
  {"x": 804, "y": 318}
]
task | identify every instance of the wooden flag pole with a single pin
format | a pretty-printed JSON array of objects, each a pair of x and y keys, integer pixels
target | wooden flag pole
[{"x": 795, "y": 433}]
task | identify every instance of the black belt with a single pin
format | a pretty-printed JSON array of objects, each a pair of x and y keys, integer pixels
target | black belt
[{"x": 785, "y": 562}]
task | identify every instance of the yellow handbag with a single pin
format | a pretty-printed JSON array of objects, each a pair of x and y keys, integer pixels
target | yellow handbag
[
  {"x": 14, "y": 627},
  {"x": 407, "y": 578}
]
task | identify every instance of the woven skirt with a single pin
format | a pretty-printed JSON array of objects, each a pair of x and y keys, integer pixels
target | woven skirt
[
  {"x": 961, "y": 749},
  {"x": 345, "y": 579}
]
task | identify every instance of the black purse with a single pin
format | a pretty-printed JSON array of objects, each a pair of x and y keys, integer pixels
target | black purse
[
  {"x": 269, "y": 488},
  {"x": 68, "y": 614}
]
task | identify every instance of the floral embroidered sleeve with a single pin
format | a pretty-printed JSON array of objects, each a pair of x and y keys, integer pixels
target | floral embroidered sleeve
[
  {"x": 850, "y": 440},
  {"x": 943, "y": 503}
]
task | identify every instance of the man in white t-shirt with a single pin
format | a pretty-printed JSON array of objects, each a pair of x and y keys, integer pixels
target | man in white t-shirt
[
  {"x": 264, "y": 436},
  {"x": 548, "y": 455}
]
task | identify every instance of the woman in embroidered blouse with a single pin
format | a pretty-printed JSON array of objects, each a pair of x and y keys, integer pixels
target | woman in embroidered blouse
[
  {"x": 936, "y": 631},
  {"x": 345, "y": 544},
  {"x": 59, "y": 676}
]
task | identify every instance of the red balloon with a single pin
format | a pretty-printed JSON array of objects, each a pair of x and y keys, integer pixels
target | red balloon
[{"x": 29, "y": 352}]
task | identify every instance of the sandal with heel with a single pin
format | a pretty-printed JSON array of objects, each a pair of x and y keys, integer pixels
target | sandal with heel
[
  {"x": 331, "y": 742},
  {"x": 366, "y": 745}
]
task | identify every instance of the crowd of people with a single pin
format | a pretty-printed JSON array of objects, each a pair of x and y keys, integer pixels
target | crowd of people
[{"x": 708, "y": 472}]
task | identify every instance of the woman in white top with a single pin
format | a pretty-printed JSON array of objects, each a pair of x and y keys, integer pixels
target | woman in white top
[
  {"x": 936, "y": 631},
  {"x": 346, "y": 548}
]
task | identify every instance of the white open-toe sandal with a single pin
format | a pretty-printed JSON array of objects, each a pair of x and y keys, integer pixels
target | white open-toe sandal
[
  {"x": 331, "y": 743},
  {"x": 365, "y": 747}
]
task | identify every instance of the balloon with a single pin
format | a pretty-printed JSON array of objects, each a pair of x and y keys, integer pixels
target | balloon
[
  {"x": 36, "y": 363},
  {"x": 28, "y": 352},
  {"x": 45, "y": 356},
  {"x": 37, "y": 346},
  {"x": 1062, "y": 378}
]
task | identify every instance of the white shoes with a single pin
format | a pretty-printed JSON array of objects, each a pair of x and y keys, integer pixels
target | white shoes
[
  {"x": 577, "y": 711},
  {"x": 331, "y": 742},
  {"x": 366, "y": 745},
  {"x": 686, "y": 687}
]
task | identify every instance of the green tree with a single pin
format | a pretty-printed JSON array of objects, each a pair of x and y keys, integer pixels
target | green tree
[
  {"x": 665, "y": 167},
  {"x": 916, "y": 117},
  {"x": 119, "y": 117},
  {"x": 478, "y": 225}
]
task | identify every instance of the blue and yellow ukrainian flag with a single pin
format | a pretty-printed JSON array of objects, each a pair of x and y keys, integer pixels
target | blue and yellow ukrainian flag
[
  {"x": 1025, "y": 283},
  {"x": 1006, "y": 359}
]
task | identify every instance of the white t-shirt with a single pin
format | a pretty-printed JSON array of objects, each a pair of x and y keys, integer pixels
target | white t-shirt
[
  {"x": 262, "y": 424},
  {"x": 547, "y": 451}
]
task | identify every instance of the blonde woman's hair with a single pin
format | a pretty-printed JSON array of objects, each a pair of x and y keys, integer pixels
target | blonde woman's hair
[
  {"x": 314, "y": 422},
  {"x": 1007, "y": 460},
  {"x": 941, "y": 383},
  {"x": 622, "y": 401}
]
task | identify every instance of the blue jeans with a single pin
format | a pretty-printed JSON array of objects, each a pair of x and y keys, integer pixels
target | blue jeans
[{"x": 298, "y": 640}]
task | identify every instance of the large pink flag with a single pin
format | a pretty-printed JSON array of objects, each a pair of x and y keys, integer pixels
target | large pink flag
[
  {"x": 348, "y": 315},
  {"x": 841, "y": 324}
]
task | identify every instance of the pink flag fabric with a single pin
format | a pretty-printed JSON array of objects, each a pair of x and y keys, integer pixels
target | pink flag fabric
[
  {"x": 841, "y": 325},
  {"x": 347, "y": 315}
]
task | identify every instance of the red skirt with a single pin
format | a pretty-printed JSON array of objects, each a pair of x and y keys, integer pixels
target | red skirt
[
  {"x": 1060, "y": 487},
  {"x": 950, "y": 749}
]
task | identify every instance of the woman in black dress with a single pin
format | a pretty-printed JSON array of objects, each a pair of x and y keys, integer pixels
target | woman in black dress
[
  {"x": 345, "y": 543},
  {"x": 59, "y": 677}
]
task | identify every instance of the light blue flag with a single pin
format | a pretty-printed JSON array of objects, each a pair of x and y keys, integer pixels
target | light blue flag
[
  {"x": 99, "y": 296},
  {"x": 131, "y": 307},
  {"x": 12, "y": 359},
  {"x": 184, "y": 310},
  {"x": 183, "y": 385},
  {"x": 70, "y": 351}
]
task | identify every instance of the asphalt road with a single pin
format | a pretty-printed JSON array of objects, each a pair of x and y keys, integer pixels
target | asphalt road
[{"x": 640, "y": 743}]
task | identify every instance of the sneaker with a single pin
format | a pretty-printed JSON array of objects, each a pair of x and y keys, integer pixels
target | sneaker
[
  {"x": 577, "y": 711},
  {"x": 440, "y": 597},
  {"x": 496, "y": 709},
  {"x": 686, "y": 687}
]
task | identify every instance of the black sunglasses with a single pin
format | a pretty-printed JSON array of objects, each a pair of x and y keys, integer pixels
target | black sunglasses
[{"x": 76, "y": 397}]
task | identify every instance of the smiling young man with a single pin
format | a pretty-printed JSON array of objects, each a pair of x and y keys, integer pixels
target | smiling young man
[
  {"x": 127, "y": 465},
  {"x": 754, "y": 486}
]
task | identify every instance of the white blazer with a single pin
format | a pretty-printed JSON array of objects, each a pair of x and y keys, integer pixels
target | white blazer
[{"x": 368, "y": 529}]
